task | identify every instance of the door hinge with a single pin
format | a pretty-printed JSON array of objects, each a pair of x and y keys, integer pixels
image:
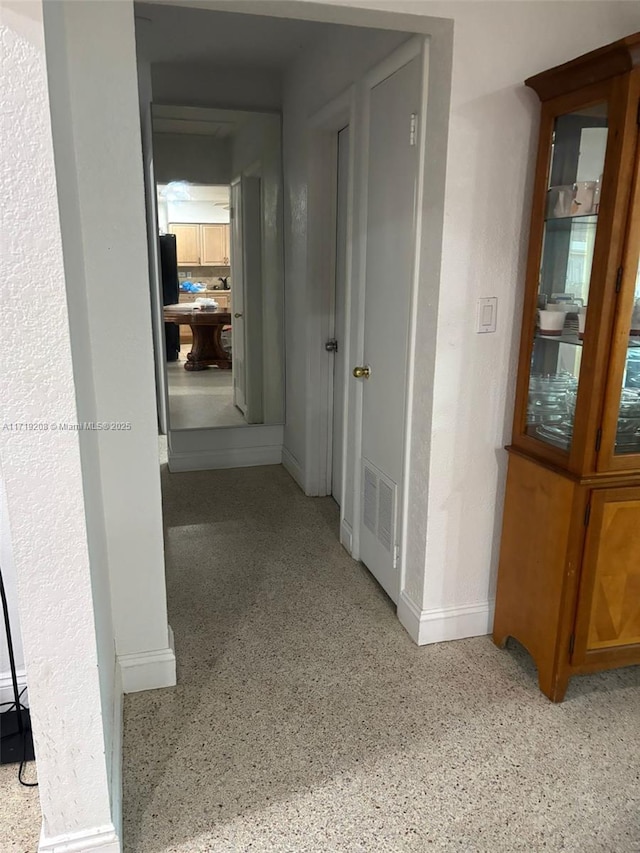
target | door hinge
[
  {"x": 413, "y": 129},
  {"x": 587, "y": 514},
  {"x": 619, "y": 279},
  {"x": 572, "y": 643},
  {"x": 331, "y": 345},
  {"x": 396, "y": 556},
  {"x": 598, "y": 439}
]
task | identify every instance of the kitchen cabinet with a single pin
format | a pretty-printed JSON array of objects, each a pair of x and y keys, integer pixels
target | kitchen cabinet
[
  {"x": 200, "y": 244},
  {"x": 569, "y": 573},
  {"x": 215, "y": 245},
  {"x": 187, "y": 243}
]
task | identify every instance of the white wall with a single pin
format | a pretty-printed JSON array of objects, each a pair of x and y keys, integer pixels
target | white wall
[
  {"x": 462, "y": 415},
  {"x": 43, "y": 471},
  {"x": 184, "y": 157},
  {"x": 104, "y": 236},
  {"x": 185, "y": 84},
  {"x": 192, "y": 211}
]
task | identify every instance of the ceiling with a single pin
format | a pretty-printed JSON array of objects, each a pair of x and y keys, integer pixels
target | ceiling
[
  {"x": 201, "y": 36},
  {"x": 202, "y": 121}
]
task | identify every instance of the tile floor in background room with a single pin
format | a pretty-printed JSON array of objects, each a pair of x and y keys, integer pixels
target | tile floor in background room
[
  {"x": 306, "y": 720},
  {"x": 201, "y": 398}
]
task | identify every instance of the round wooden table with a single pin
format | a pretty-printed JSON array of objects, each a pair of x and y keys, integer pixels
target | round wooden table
[{"x": 206, "y": 327}]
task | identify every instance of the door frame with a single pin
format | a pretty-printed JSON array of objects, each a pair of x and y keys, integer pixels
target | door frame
[
  {"x": 353, "y": 108},
  {"x": 323, "y": 128}
]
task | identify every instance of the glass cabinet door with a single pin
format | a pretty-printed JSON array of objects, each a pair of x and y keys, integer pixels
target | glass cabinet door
[
  {"x": 571, "y": 220},
  {"x": 627, "y": 440}
]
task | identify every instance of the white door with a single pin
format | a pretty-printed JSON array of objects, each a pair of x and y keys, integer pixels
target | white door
[
  {"x": 253, "y": 310},
  {"x": 339, "y": 315},
  {"x": 392, "y": 186},
  {"x": 237, "y": 299}
]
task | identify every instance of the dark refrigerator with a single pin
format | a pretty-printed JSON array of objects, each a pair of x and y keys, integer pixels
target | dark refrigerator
[{"x": 170, "y": 292}]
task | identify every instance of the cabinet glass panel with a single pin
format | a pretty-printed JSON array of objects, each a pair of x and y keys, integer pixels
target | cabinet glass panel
[
  {"x": 628, "y": 432},
  {"x": 571, "y": 221}
]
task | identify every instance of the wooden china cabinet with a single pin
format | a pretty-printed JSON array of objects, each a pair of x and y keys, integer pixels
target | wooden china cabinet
[{"x": 569, "y": 575}]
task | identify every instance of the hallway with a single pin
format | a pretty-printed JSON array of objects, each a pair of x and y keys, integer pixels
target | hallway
[{"x": 305, "y": 719}]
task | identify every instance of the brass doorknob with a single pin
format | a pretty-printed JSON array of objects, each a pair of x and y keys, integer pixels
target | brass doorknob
[
  {"x": 362, "y": 372},
  {"x": 236, "y": 315}
]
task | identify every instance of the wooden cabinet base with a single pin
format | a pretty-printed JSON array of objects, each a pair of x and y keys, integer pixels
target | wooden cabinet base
[{"x": 569, "y": 576}]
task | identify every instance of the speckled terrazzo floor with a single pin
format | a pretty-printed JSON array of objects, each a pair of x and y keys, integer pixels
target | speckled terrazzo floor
[
  {"x": 20, "y": 816},
  {"x": 306, "y": 720}
]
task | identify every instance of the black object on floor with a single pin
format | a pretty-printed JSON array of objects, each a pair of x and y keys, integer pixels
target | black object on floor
[{"x": 16, "y": 745}]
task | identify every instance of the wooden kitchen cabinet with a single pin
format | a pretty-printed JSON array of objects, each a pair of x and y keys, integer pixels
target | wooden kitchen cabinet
[
  {"x": 215, "y": 245},
  {"x": 569, "y": 574},
  {"x": 200, "y": 244},
  {"x": 187, "y": 243}
]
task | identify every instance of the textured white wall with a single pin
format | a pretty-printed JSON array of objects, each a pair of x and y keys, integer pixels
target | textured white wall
[
  {"x": 41, "y": 468},
  {"x": 99, "y": 151}
]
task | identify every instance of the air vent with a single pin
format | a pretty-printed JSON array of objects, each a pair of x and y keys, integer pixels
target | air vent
[
  {"x": 370, "y": 500},
  {"x": 378, "y": 505}
]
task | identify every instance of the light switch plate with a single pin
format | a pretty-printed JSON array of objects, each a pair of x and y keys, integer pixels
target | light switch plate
[{"x": 487, "y": 314}]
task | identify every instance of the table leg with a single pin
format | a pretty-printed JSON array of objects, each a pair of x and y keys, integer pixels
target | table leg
[{"x": 207, "y": 349}]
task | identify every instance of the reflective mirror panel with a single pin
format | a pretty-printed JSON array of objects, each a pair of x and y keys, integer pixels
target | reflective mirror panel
[
  {"x": 571, "y": 221},
  {"x": 219, "y": 205}
]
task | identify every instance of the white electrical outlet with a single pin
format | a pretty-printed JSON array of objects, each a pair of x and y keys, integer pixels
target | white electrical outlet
[{"x": 487, "y": 314}]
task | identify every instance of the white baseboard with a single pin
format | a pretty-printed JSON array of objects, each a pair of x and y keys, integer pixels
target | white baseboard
[
  {"x": 149, "y": 670},
  {"x": 445, "y": 623},
  {"x": 346, "y": 536},
  {"x": 102, "y": 839},
  {"x": 237, "y": 457},
  {"x": 6, "y": 686},
  {"x": 292, "y": 465}
]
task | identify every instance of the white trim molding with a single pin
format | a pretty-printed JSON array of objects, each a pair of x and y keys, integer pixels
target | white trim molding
[
  {"x": 228, "y": 447},
  {"x": 149, "y": 670},
  {"x": 444, "y": 623},
  {"x": 241, "y": 457},
  {"x": 6, "y": 685},
  {"x": 294, "y": 468},
  {"x": 346, "y": 535},
  {"x": 103, "y": 839}
]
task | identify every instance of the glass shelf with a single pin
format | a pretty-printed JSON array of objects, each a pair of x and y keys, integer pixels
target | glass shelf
[
  {"x": 572, "y": 340},
  {"x": 571, "y": 217}
]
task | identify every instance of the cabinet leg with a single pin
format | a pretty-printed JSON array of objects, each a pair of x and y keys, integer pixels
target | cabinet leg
[
  {"x": 500, "y": 639},
  {"x": 553, "y": 685}
]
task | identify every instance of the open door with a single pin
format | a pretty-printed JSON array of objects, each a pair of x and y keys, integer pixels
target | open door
[{"x": 247, "y": 296}]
